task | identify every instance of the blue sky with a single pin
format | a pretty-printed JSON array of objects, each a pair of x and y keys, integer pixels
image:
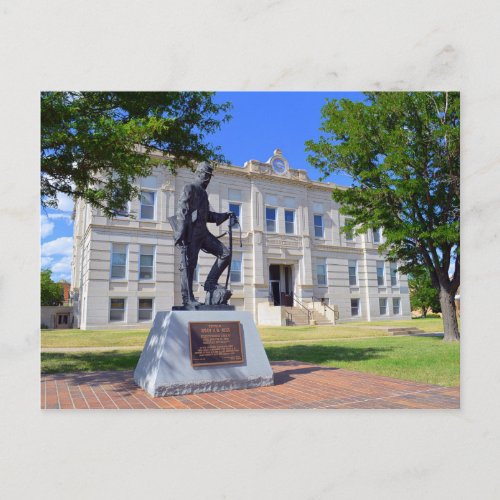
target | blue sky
[{"x": 262, "y": 122}]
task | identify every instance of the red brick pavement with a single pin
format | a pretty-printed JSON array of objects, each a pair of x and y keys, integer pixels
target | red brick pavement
[{"x": 297, "y": 385}]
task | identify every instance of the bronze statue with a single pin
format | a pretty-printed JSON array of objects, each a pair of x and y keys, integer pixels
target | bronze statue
[{"x": 191, "y": 235}]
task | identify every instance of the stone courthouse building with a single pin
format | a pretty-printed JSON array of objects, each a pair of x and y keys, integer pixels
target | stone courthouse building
[{"x": 294, "y": 266}]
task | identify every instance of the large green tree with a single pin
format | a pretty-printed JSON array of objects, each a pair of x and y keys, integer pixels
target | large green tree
[
  {"x": 95, "y": 144},
  {"x": 51, "y": 294},
  {"x": 402, "y": 150},
  {"x": 423, "y": 295}
]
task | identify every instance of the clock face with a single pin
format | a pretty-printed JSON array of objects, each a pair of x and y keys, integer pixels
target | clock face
[{"x": 279, "y": 165}]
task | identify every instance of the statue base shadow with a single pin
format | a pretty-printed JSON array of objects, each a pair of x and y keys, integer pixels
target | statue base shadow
[{"x": 165, "y": 367}]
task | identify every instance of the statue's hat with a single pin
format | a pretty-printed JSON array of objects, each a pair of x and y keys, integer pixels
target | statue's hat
[{"x": 204, "y": 168}]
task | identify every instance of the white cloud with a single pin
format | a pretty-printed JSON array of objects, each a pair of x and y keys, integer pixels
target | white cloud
[
  {"x": 66, "y": 217},
  {"x": 65, "y": 203},
  {"x": 47, "y": 227},
  {"x": 62, "y": 268},
  {"x": 46, "y": 262},
  {"x": 59, "y": 246},
  {"x": 56, "y": 256}
]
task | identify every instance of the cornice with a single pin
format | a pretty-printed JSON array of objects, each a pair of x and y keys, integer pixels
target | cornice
[
  {"x": 124, "y": 229},
  {"x": 263, "y": 171}
]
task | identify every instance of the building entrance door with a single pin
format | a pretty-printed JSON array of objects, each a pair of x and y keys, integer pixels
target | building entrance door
[
  {"x": 281, "y": 285},
  {"x": 274, "y": 289},
  {"x": 62, "y": 320}
]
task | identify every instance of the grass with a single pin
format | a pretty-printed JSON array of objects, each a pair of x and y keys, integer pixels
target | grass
[
  {"x": 137, "y": 338},
  {"x": 421, "y": 359},
  {"x": 67, "y": 362},
  {"x": 295, "y": 333},
  {"x": 425, "y": 324},
  {"x": 93, "y": 338}
]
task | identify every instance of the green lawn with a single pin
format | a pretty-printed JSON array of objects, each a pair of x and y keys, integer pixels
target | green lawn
[
  {"x": 121, "y": 338},
  {"x": 425, "y": 324},
  {"x": 422, "y": 359},
  {"x": 93, "y": 338},
  {"x": 294, "y": 333}
]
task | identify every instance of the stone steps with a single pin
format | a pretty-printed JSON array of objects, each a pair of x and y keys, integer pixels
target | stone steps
[{"x": 300, "y": 317}]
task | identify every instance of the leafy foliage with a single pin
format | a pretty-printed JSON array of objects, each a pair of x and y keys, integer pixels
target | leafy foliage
[
  {"x": 95, "y": 144},
  {"x": 423, "y": 295},
  {"x": 51, "y": 293},
  {"x": 402, "y": 150}
]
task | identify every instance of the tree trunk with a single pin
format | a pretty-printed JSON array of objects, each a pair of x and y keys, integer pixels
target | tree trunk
[
  {"x": 424, "y": 312},
  {"x": 450, "y": 321}
]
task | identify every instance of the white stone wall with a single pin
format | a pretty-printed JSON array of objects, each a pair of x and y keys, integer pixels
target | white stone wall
[{"x": 258, "y": 187}]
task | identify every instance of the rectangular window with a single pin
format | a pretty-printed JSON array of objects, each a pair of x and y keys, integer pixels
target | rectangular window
[
  {"x": 236, "y": 266},
  {"x": 147, "y": 205},
  {"x": 394, "y": 274},
  {"x": 353, "y": 272},
  {"x": 146, "y": 262},
  {"x": 116, "y": 309},
  {"x": 236, "y": 209},
  {"x": 377, "y": 236},
  {"x": 270, "y": 220},
  {"x": 118, "y": 261},
  {"x": 349, "y": 235},
  {"x": 380, "y": 273},
  {"x": 145, "y": 309},
  {"x": 290, "y": 221},
  {"x": 124, "y": 210},
  {"x": 355, "y": 310},
  {"x": 383, "y": 306},
  {"x": 396, "y": 306},
  {"x": 318, "y": 226},
  {"x": 321, "y": 274}
]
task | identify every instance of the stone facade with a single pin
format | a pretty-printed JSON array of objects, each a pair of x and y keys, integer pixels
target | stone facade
[{"x": 126, "y": 269}]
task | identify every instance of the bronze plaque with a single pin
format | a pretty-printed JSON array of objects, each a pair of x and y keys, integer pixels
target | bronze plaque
[{"x": 215, "y": 343}]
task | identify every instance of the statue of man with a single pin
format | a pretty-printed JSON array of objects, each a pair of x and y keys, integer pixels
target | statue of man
[{"x": 191, "y": 234}]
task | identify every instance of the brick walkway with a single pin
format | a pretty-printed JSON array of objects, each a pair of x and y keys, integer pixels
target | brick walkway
[{"x": 297, "y": 385}]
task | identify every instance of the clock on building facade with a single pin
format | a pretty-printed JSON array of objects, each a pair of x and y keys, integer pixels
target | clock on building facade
[{"x": 278, "y": 163}]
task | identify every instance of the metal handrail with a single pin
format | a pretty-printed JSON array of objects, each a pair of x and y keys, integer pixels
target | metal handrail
[
  {"x": 335, "y": 313},
  {"x": 323, "y": 304},
  {"x": 289, "y": 318},
  {"x": 309, "y": 312}
]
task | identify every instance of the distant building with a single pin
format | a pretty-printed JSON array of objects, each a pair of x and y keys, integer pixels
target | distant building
[
  {"x": 65, "y": 291},
  {"x": 56, "y": 317},
  {"x": 293, "y": 253}
]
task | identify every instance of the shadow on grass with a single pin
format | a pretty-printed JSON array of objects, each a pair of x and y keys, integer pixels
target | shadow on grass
[
  {"x": 320, "y": 354},
  {"x": 88, "y": 361}
]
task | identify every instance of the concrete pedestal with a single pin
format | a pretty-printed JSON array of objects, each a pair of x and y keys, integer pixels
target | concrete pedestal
[{"x": 165, "y": 369}]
